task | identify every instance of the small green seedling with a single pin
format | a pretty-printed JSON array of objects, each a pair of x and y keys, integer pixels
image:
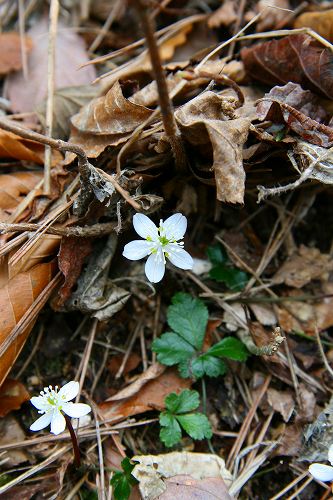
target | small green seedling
[
  {"x": 187, "y": 317},
  {"x": 223, "y": 270},
  {"x": 122, "y": 481},
  {"x": 179, "y": 415}
]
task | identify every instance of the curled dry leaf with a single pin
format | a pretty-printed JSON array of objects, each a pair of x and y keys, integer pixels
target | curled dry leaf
[
  {"x": 70, "y": 54},
  {"x": 13, "y": 146},
  {"x": 20, "y": 301},
  {"x": 145, "y": 394},
  {"x": 12, "y": 395},
  {"x": 202, "y": 121},
  {"x": 306, "y": 265},
  {"x": 11, "y": 51},
  {"x": 321, "y": 22},
  {"x": 297, "y": 58}
]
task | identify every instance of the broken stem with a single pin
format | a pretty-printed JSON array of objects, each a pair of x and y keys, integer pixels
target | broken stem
[
  {"x": 168, "y": 118},
  {"x": 77, "y": 457}
]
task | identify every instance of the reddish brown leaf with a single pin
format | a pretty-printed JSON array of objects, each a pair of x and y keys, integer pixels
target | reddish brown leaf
[
  {"x": 13, "y": 188},
  {"x": 11, "y": 51},
  {"x": 72, "y": 254},
  {"x": 321, "y": 22},
  {"x": 13, "y": 146},
  {"x": 12, "y": 395},
  {"x": 149, "y": 397},
  {"x": 132, "y": 362},
  {"x": 296, "y": 58}
]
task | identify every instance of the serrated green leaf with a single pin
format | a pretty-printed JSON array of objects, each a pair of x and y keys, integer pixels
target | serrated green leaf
[
  {"x": 170, "y": 433},
  {"x": 196, "y": 425},
  {"x": 217, "y": 255},
  {"x": 207, "y": 365},
  {"x": 172, "y": 349},
  {"x": 229, "y": 348},
  {"x": 121, "y": 487},
  {"x": 186, "y": 401},
  {"x": 234, "y": 278},
  {"x": 184, "y": 369},
  {"x": 188, "y": 317}
]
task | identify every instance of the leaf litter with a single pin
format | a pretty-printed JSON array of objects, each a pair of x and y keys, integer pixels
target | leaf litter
[{"x": 228, "y": 364}]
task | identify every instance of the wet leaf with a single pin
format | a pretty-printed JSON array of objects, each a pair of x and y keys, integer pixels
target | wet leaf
[
  {"x": 11, "y": 51},
  {"x": 295, "y": 58}
]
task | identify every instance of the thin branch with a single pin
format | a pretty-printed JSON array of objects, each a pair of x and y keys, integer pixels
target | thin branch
[{"x": 80, "y": 232}]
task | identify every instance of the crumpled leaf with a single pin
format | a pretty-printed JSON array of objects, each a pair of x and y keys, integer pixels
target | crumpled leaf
[
  {"x": 321, "y": 22},
  {"x": 202, "y": 121},
  {"x": 306, "y": 265},
  {"x": 70, "y": 54},
  {"x": 296, "y": 108},
  {"x": 67, "y": 102},
  {"x": 11, "y": 51},
  {"x": 297, "y": 58},
  {"x": 317, "y": 161},
  {"x": 107, "y": 120},
  {"x": 143, "y": 395},
  {"x": 95, "y": 293},
  {"x": 12, "y": 395},
  {"x": 157, "y": 476}
]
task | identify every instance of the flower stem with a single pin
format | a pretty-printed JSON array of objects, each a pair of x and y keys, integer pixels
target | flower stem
[{"x": 77, "y": 457}]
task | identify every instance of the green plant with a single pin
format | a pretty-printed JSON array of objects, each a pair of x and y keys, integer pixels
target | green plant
[
  {"x": 122, "y": 481},
  {"x": 187, "y": 317},
  {"x": 179, "y": 415},
  {"x": 223, "y": 270}
]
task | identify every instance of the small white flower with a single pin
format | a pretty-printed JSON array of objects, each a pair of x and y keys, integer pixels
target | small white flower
[
  {"x": 52, "y": 402},
  {"x": 323, "y": 472},
  {"x": 159, "y": 243}
]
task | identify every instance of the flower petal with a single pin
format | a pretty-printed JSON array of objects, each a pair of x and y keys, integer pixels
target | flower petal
[
  {"x": 41, "y": 422},
  {"x": 175, "y": 227},
  {"x": 76, "y": 410},
  {"x": 330, "y": 454},
  {"x": 69, "y": 391},
  {"x": 144, "y": 226},
  {"x": 58, "y": 423},
  {"x": 321, "y": 472},
  {"x": 137, "y": 249},
  {"x": 39, "y": 402},
  {"x": 155, "y": 266},
  {"x": 178, "y": 256}
]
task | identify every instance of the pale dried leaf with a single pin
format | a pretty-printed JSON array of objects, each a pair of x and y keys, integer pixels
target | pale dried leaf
[
  {"x": 11, "y": 51},
  {"x": 224, "y": 15},
  {"x": 282, "y": 402},
  {"x": 14, "y": 187},
  {"x": 70, "y": 54},
  {"x": 273, "y": 14}
]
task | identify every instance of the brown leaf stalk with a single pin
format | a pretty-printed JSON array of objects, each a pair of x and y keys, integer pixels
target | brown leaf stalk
[{"x": 168, "y": 118}]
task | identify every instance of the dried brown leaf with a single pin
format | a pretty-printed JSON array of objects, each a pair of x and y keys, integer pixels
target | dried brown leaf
[
  {"x": 273, "y": 14},
  {"x": 12, "y": 432},
  {"x": 282, "y": 402},
  {"x": 195, "y": 489},
  {"x": 202, "y": 121},
  {"x": 321, "y": 22},
  {"x": 145, "y": 394},
  {"x": 13, "y": 146},
  {"x": 14, "y": 187},
  {"x": 224, "y": 15},
  {"x": 11, "y": 51},
  {"x": 70, "y": 54},
  {"x": 12, "y": 395}
]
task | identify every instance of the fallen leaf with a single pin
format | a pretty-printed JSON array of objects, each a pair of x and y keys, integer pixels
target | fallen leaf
[
  {"x": 22, "y": 293},
  {"x": 182, "y": 475},
  {"x": 295, "y": 58},
  {"x": 11, "y": 51},
  {"x": 290, "y": 440},
  {"x": 12, "y": 432},
  {"x": 143, "y": 395},
  {"x": 72, "y": 254},
  {"x": 70, "y": 54},
  {"x": 224, "y": 15},
  {"x": 12, "y": 395},
  {"x": 202, "y": 121},
  {"x": 273, "y": 14},
  {"x": 13, "y": 146},
  {"x": 281, "y": 402},
  {"x": 14, "y": 187},
  {"x": 132, "y": 362},
  {"x": 304, "y": 266},
  {"x": 321, "y": 22}
]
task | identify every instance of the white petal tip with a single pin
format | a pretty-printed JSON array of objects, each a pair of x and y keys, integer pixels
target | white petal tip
[{"x": 321, "y": 472}]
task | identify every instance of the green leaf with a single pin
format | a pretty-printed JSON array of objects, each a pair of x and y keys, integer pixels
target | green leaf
[
  {"x": 234, "y": 278},
  {"x": 172, "y": 349},
  {"x": 229, "y": 348},
  {"x": 208, "y": 365},
  {"x": 121, "y": 486},
  {"x": 217, "y": 255},
  {"x": 170, "y": 433},
  {"x": 186, "y": 401},
  {"x": 188, "y": 317},
  {"x": 196, "y": 425}
]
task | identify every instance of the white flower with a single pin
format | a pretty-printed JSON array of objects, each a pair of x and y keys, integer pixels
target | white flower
[
  {"x": 159, "y": 243},
  {"x": 51, "y": 403},
  {"x": 323, "y": 472}
]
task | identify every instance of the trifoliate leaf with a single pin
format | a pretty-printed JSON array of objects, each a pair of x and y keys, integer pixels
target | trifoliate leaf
[
  {"x": 196, "y": 425},
  {"x": 172, "y": 349},
  {"x": 234, "y": 278},
  {"x": 186, "y": 401},
  {"x": 207, "y": 365},
  {"x": 170, "y": 432},
  {"x": 188, "y": 317},
  {"x": 229, "y": 348}
]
